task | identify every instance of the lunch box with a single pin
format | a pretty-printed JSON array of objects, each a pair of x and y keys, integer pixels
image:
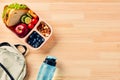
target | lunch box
[{"x": 35, "y": 37}]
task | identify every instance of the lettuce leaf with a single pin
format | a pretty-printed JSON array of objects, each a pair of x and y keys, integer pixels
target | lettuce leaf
[
  {"x": 13, "y": 6},
  {"x": 17, "y": 6}
]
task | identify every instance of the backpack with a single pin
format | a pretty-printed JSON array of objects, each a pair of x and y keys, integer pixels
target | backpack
[{"x": 12, "y": 62}]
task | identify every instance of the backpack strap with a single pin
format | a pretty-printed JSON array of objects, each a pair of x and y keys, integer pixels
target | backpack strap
[
  {"x": 7, "y": 72},
  {"x": 4, "y": 44},
  {"x": 23, "y": 46},
  {"x": 16, "y": 45}
]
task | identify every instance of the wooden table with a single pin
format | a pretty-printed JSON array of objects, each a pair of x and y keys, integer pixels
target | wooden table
[{"x": 86, "y": 38}]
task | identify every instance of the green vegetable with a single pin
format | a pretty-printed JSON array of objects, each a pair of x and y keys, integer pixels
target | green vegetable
[
  {"x": 5, "y": 11},
  {"x": 29, "y": 15},
  {"x": 13, "y": 6},
  {"x": 27, "y": 20},
  {"x": 17, "y": 6},
  {"x": 23, "y": 18}
]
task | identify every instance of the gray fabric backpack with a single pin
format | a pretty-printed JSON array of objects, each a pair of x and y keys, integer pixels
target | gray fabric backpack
[{"x": 12, "y": 62}]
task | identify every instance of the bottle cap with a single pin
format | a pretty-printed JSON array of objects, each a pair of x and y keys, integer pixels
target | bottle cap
[{"x": 50, "y": 60}]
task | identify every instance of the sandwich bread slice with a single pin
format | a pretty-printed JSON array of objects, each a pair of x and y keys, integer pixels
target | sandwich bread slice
[
  {"x": 13, "y": 12},
  {"x": 14, "y": 16}
]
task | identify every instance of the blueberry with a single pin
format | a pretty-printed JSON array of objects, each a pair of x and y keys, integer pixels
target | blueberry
[
  {"x": 33, "y": 46},
  {"x": 31, "y": 36},
  {"x": 36, "y": 46},
  {"x": 39, "y": 40},
  {"x": 35, "y": 40},
  {"x": 38, "y": 36},
  {"x": 43, "y": 39}
]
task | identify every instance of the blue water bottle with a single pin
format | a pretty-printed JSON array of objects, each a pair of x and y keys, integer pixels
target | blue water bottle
[{"x": 47, "y": 69}]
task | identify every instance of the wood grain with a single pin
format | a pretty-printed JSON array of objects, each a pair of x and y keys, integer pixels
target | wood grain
[{"x": 86, "y": 38}]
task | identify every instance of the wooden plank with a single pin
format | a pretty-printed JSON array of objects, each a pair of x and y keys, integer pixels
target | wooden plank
[{"x": 86, "y": 38}]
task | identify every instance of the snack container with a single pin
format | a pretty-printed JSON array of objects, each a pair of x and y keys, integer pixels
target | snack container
[{"x": 28, "y": 26}]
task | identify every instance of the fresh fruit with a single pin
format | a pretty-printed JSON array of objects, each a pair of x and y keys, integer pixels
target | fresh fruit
[
  {"x": 34, "y": 21},
  {"x": 32, "y": 14},
  {"x": 31, "y": 26},
  {"x": 28, "y": 20},
  {"x": 21, "y": 30},
  {"x": 35, "y": 40}
]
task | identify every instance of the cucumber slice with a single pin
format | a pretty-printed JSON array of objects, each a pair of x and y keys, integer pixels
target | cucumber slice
[
  {"x": 29, "y": 15},
  {"x": 23, "y": 18},
  {"x": 27, "y": 20}
]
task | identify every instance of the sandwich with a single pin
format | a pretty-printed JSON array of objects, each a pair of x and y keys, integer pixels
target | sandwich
[{"x": 13, "y": 12}]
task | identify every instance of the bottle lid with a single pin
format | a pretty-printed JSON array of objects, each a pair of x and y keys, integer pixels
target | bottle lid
[{"x": 50, "y": 60}]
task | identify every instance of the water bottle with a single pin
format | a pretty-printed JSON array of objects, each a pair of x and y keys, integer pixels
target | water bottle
[{"x": 47, "y": 69}]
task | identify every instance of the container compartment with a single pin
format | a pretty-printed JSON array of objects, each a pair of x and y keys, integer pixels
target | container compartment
[
  {"x": 35, "y": 39},
  {"x": 26, "y": 24},
  {"x": 19, "y": 19},
  {"x": 44, "y": 29}
]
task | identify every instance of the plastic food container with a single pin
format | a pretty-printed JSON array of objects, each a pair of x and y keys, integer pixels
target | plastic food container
[{"x": 27, "y": 25}]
